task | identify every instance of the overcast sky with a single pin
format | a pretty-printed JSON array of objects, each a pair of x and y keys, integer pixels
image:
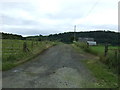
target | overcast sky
[{"x": 34, "y": 17}]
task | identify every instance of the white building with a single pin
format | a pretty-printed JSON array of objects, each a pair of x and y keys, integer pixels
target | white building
[{"x": 91, "y": 43}]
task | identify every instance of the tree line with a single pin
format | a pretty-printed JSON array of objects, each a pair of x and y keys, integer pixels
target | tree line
[
  {"x": 101, "y": 37},
  {"x": 12, "y": 36}
]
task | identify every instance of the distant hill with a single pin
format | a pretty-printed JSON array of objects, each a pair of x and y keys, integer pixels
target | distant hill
[{"x": 101, "y": 37}]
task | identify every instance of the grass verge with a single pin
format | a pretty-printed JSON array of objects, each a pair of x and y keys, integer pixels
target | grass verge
[
  {"x": 111, "y": 60},
  {"x": 22, "y": 57},
  {"x": 10, "y": 65},
  {"x": 104, "y": 76}
]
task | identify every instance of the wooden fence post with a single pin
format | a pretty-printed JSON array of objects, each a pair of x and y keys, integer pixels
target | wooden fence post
[
  {"x": 116, "y": 54},
  {"x": 106, "y": 50},
  {"x": 87, "y": 45},
  {"x": 25, "y": 48}
]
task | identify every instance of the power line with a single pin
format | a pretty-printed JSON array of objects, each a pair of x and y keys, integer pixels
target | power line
[
  {"x": 95, "y": 4},
  {"x": 92, "y": 8},
  {"x": 75, "y": 33}
]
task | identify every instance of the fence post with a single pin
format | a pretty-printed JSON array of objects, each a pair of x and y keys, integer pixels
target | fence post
[
  {"x": 25, "y": 48},
  {"x": 87, "y": 45},
  {"x": 116, "y": 54},
  {"x": 106, "y": 50}
]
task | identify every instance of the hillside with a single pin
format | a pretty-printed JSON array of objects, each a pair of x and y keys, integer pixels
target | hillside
[{"x": 101, "y": 37}]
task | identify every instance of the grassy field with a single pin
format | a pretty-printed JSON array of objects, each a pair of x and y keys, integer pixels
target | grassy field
[
  {"x": 99, "y": 50},
  {"x": 112, "y": 58},
  {"x": 14, "y": 54}
]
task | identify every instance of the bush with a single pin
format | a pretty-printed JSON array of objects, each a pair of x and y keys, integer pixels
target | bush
[
  {"x": 81, "y": 45},
  {"x": 85, "y": 47}
]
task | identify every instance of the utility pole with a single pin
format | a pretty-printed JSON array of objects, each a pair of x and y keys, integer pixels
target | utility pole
[{"x": 75, "y": 33}]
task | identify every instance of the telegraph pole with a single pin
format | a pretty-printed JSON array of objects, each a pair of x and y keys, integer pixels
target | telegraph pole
[{"x": 75, "y": 33}]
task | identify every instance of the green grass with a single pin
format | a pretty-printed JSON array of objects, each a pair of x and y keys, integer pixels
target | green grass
[
  {"x": 99, "y": 50},
  {"x": 111, "y": 60},
  {"x": 105, "y": 72},
  {"x": 105, "y": 78},
  {"x": 13, "y": 54}
]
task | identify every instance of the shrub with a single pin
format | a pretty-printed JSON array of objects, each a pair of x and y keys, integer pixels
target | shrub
[
  {"x": 85, "y": 47},
  {"x": 81, "y": 45}
]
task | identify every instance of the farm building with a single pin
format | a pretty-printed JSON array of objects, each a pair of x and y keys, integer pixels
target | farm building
[{"x": 89, "y": 41}]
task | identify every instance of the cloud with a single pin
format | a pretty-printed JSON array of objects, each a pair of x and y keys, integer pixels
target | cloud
[
  {"x": 7, "y": 20},
  {"x": 54, "y": 16}
]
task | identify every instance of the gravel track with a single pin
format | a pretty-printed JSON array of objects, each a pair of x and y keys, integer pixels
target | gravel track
[{"x": 58, "y": 67}]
